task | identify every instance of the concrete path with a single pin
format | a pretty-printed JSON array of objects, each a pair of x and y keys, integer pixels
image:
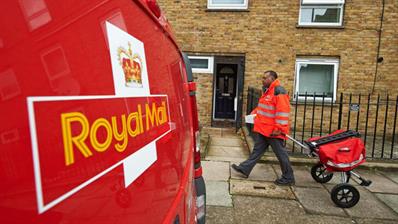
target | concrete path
[{"x": 234, "y": 199}]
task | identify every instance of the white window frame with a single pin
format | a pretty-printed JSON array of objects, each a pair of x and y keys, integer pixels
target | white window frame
[
  {"x": 322, "y": 2},
  {"x": 322, "y": 5},
  {"x": 211, "y": 5},
  {"x": 316, "y": 61},
  {"x": 210, "y": 64}
]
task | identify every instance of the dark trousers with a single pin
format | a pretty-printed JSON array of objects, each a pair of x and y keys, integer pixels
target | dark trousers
[{"x": 260, "y": 146}]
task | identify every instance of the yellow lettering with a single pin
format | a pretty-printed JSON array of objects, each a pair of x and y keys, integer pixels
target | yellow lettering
[
  {"x": 140, "y": 118},
  {"x": 150, "y": 116},
  {"x": 162, "y": 116},
  {"x": 101, "y": 122},
  {"x": 130, "y": 118},
  {"x": 129, "y": 125},
  {"x": 66, "y": 120},
  {"x": 120, "y": 136}
]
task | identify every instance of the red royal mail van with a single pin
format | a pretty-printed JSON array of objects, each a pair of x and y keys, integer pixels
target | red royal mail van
[{"x": 98, "y": 115}]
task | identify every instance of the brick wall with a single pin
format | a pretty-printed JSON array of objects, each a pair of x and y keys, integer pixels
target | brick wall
[
  {"x": 268, "y": 36},
  {"x": 204, "y": 96}
]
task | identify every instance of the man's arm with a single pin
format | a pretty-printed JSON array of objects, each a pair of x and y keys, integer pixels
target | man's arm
[{"x": 282, "y": 104}]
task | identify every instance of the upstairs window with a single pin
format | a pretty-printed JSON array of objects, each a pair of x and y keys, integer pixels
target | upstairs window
[
  {"x": 227, "y": 4},
  {"x": 316, "y": 77},
  {"x": 321, "y": 12}
]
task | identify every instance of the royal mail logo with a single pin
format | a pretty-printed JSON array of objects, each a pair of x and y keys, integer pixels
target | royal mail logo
[
  {"x": 78, "y": 139},
  {"x": 128, "y": 60},
  {"x": 131, "y": 63},
  {"x": 79, "y": 135}
]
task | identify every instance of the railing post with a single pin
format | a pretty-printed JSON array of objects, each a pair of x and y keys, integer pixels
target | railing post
[
  {"x": 340, "y": 111},
  {"x": 385, "y": 127},
  {"x": 313, "y": 115},
  {"x": 393, "y": 132},
  {"x": 305, "y": 112},
  {"x": 295, "y": 118},
  {"x": 331, "y": 114},
  {"x": 349, "y": 112},
  {"x": 323, "y": 105},
  {"x": 367, "y": 120},
  {"x": 359, "y": 111},
  {"x": 375, "y": 129}
]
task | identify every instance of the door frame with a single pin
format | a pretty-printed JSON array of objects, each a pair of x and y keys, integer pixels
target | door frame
[{"x": 238, "y": 102}]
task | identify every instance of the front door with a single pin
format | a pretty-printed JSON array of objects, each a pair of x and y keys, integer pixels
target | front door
[{"x": 225, "y": 91}]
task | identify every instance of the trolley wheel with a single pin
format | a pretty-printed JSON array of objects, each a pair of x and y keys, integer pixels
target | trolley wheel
[
  {"x": 318, "y": 172},
  {"x": 345, "y": 195}
]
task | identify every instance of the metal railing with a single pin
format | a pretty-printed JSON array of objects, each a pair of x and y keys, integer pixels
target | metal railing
[{"x": 374, "y": 116}]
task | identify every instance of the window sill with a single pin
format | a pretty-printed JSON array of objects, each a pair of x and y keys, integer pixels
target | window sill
[
  {"x": 227, "y": 10},
  {"x": 318, "y": 27},
  {"x": 311, "y": 102}
]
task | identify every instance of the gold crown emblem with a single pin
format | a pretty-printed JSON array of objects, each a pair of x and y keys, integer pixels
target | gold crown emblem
[{"x": 131, "y": 64}]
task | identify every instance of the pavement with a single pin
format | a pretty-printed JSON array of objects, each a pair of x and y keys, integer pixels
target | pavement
[{"x": 234, "y": 199}]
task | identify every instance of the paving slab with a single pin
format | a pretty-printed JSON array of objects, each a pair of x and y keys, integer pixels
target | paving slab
[
  {"x": 227, "y": 135},
  {"x": 374, "y": 221},
  {"x": 225, "y": 151},
  {"x": 219, "y": 215},
  {"x": 260, "y": 188},
  {"x": 212, "y": 131},
  {"x": 391, "y": 200},
  {"x": 393, "y": 175},
  {"x": 215, "y": 171},
  {"x": 231, "y": 131},
  {"x": 303, "y": 177},
  {"x": 219, "y": 141},
  {"x": 221, "y": 132},
  {"x": 224, "y": 159},
  {"x": 322, "y": 219},
  {"x": 317, "y": 201},
  {"x": 217, "y": 193},
  {"x": 369, "y": 207},
  {"x": 255, "y": 210},
  {"x": 277, "y": 169},
  {"x": 380, "y": 184},
  {"x": 261, "y": 172},
  {"x": 250, "y": 209}
]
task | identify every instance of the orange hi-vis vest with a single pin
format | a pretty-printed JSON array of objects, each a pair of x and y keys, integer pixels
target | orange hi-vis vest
[{"x": 273, "y": 111}]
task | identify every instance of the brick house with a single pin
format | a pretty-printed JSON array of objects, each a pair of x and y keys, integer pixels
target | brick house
[{"x": 321, "y": 46}]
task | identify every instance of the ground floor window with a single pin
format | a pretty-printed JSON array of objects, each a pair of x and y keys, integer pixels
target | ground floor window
[
  {"x": 316, "y": 77},
  {"x": 227, "y": 4},
  {"x": 201, "y": 64}
]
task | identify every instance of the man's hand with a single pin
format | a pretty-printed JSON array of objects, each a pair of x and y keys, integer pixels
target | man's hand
[{"x": 276, "y": 132}]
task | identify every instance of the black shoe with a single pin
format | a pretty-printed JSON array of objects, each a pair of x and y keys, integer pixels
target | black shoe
[
  {"x": 284, "y": 182},
  {"x": 239, "y": 170}
]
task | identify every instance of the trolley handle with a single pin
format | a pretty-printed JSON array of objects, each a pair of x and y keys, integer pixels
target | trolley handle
[
  {"x": 310, "y": 151},
  {"x": 297, "y": 142}
]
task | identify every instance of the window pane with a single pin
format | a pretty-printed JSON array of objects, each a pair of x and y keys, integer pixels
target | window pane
[
  {"x": 221, "y": 84},
  {"x": 316, "y": 78},
  {"x": 240, "y": 2},
  {"x": 306, "y": 15},
  {"x": 331, "y": 15},
  {"x": 199, "y": 63},
  {"x": 319, "y": 2}
]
